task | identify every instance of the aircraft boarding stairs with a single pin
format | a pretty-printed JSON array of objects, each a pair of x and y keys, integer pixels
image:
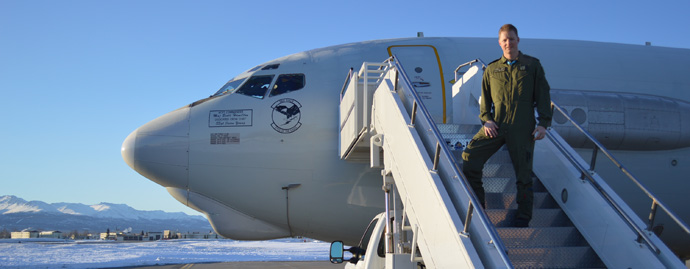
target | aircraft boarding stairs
[
  {"x": 432, "y": 211},
  {"x": 551, "y": 241}
]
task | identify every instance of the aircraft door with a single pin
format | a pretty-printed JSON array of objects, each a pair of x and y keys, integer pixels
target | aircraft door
[
  {"x": 467, "y": 92},
  {"x": 423, "y": 67}
]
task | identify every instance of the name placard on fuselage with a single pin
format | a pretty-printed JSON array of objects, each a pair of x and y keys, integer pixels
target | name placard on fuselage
[
  {"x": 224, "y": 138},
  {"x": 230, "y": 118}
]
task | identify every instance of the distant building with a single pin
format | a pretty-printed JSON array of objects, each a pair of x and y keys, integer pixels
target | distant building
[
  {"x": 133, "y": 237},
  {"x": 120, "y": 236},
  {"x": 155, "y": 235},
  {"x": 51, "y": 234},
  {"x": 168, "y": 234},
  {"x": 24, "y": 234},
  {"x": 82, "y": 236},
  {"x": 198, "y": 235},
  {"x": 109, "y": 236}
]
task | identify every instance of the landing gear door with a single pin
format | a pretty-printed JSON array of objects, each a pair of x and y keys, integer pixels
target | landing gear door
[
  {"x": 466, "y": 95},
  {"x": 423, "y": 67}
]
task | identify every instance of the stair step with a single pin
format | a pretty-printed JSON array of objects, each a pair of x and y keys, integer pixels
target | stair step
[
  {"x": 541, "y": 237},
  {"x": 502, "y": 156},
  {"x": 507, "y": 185},
  {"x": 454, "y": 133},
  {"x": 458, "y": 128},
  {"x": 498, "y": 170},
  {"x": 507, "y": 200},
  {"x": 540, "y": 218},
  {"x": 551, "y": 241},
  {"x": 558, "y": 257}
]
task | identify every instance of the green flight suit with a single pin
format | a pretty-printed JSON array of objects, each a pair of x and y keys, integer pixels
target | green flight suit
[{"x": 510, "y": 93}]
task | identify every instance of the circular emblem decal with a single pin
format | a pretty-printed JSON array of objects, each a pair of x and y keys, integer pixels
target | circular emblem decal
[{"x": 286, "y": 115}]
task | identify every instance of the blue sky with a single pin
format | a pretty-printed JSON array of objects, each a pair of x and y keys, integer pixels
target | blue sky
[{"x": 76, "y": 77}]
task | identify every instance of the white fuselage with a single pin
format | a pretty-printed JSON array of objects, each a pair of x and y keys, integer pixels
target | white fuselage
[{"x": 235, "y": 156}]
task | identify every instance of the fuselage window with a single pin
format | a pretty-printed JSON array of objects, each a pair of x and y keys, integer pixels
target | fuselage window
[
  {"x": 288, "y": 83},
  {"x": 230, "y": 87},
  {"x": 256, "y": 86}
]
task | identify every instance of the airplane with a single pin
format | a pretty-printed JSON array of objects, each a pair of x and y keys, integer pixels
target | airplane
[{"x": 260, "y": 156}]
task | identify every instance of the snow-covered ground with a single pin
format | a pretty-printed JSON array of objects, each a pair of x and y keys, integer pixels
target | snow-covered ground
[{"x": 103, "y": 254}]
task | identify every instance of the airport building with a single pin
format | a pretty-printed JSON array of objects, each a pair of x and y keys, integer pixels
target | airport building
[
  {"x": 109, "y": 236},
  {"x": 51, "y": 234},
  {"x": 168, "y": 234},
  {"x": 116, "y": 236},
  {"x": 153, "y": 236},
  {"x": 25, "y": 234},
  {"x": 36, "y": 234}
]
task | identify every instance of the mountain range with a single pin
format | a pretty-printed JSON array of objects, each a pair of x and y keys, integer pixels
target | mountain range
[{"x": 17, "y": 214}]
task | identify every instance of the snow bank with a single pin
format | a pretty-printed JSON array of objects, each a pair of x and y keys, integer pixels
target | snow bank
[{"x": 103, "y": 254}]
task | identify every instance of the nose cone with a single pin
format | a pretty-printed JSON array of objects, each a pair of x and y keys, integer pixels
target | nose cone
[
  {"x": 159, "y": 150},
  {"x": 127, "y": 149}
]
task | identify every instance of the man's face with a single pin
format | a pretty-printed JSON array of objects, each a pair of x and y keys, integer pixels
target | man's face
[{"x": 509, "y": 43}]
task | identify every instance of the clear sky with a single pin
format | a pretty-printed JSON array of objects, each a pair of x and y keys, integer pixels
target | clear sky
[{"x": 76, "y": 77}]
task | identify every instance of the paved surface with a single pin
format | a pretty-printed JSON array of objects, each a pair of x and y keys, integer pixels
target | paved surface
[
  {"x": 250, "y": 265},
  {"x": 260, "y": 265}
]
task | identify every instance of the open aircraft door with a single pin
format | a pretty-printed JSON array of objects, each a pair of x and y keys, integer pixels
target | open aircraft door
[
  {"x": 467, "y": 92},
  {"x": 423, "y": 67}
]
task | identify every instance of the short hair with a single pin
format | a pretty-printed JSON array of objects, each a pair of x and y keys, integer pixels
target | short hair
[{"x": 508, "y": 27}]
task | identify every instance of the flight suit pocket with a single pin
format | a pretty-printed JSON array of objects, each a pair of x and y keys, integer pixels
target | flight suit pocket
[
  {"x": 525, "y": 86},
  {"x": 499, "y": 81}
]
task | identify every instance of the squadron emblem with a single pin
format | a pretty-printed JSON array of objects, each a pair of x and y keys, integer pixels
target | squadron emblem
[{"x": 286, "y": 115}]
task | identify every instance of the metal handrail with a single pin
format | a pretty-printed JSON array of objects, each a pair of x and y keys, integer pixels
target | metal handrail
[
  {"x": 347, "y": 81},
  {"x": 468, "y": 63},
  {"x": 586, "y": 173},
  {"x": 493, "y": 235},
  {"x": 349, "y": 77}
]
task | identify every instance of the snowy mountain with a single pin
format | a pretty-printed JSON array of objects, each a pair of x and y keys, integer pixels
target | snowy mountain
[
  {"x": 10, "y": 204},
  {"x": 18, "y": 214}
]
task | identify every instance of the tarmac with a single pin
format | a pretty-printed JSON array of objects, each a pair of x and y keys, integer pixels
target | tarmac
[
  {"x": 260, "y": 265},
  {"x": 249, "y": 265}
]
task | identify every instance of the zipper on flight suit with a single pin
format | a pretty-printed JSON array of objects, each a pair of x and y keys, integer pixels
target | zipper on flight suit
[{"x": 510, "y": 109}]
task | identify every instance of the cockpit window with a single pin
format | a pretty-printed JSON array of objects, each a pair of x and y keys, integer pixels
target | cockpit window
[
  {"x": 271, "y": 66},
  {"x": 256, "y": 86},
  {"x": 288, "y": 83},
  {"x": 230, "y": 87}
]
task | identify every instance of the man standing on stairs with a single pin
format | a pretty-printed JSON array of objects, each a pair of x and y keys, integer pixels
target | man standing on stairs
[{"x": 512, "y": 87}]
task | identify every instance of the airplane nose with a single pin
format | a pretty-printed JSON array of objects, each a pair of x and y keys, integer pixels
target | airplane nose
[
  {"x": 159, "y": 150},
  {"x": 127, "y": 149}
]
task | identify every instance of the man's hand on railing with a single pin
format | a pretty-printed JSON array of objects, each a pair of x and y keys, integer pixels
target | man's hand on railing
[
  {"x": 490, "y": 129},
  {"x": 540, "y": 132}
]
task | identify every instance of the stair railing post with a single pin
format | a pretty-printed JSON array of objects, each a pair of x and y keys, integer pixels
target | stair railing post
[
  {"x": 468, "y": 219},
  {"x": 652, "y": 215},
  {"x": 592, "y": 162},
  {"x": 367, "y": 105},
  {"x": 437, "y": 155},
  {"x": 594, "y": 158},
  {"x": 414, "y": 113},
  {"x": 387, "y": 186}
]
